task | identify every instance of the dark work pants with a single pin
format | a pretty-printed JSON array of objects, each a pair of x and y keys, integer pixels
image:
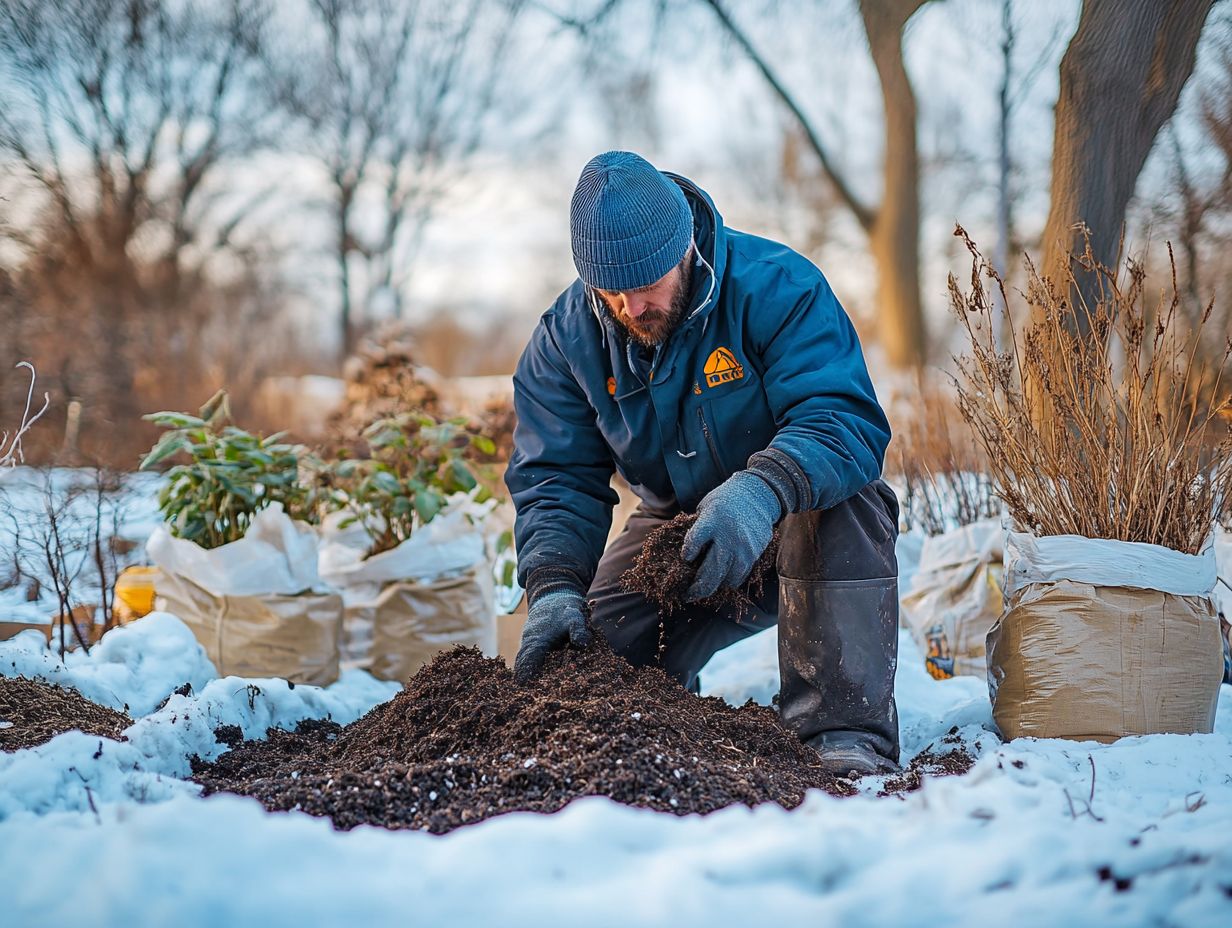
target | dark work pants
[
  {"x": 852, "y": 541},
  {"x": 827, "y": 561}
]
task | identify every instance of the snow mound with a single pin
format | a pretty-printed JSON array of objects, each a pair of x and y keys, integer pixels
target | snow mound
[
  {"x": 139, "y": 667},
  {"x": 133, "y": 668},
  {"x": 1002, "y": 845}
]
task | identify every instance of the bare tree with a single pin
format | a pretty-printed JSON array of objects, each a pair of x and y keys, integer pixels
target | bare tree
[
  {"x": 1191, "y": 204},
  {"x": 1196, "y": 202},
  {"x": 1012, "y": 91},
  {"x": 1121, "y": 78},
  {"x": 55, "y": 550},
  {"x": 108, "y": 507},
  {"x": 115, "y": 117},
  {"x": 1005, "y": 199},
  {"x": 65, "y": 531},
  {"x": 893, "y": 225},
  {"x": 395, "y": 95}
]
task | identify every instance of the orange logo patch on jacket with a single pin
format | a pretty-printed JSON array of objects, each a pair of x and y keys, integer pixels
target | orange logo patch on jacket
[
  {"x": 722, "y": 367},
  {"x": 611, "y": 386}
]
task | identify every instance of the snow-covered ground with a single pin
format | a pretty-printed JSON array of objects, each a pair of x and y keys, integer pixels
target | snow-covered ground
[
  {"x": 99, "y": 832},
  {"x": 96, "y": 832}
]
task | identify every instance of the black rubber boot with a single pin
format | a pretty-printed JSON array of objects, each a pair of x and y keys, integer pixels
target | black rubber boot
[{"x": 838, "y": 631}]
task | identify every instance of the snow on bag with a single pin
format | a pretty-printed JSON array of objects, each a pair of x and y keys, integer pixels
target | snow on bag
[
  {"x": 257, "y": 605},
  {"x": 955, "y": 598},
  {"x": 405, "y": 605},
  {"x": 1103, "y": 639}
]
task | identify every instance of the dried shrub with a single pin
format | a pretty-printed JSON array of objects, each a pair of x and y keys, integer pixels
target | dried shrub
[
  {"x": 1098, "y": 420},
  {"x": 383, "y": 380},
  {"x": 64, "y": 542},
  {"x": 942, "y": 469}
]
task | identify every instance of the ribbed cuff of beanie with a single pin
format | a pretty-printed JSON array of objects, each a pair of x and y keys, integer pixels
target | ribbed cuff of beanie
[
  {"x": 786, "y": 478},
  {"x": 629, "y": 223},
  {"x": 553, "y": 579}
]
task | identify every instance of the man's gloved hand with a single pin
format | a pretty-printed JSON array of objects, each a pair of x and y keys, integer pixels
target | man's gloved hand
[
  {"x": 735, "y": 522},
  {"x": 555, "y": 619}
]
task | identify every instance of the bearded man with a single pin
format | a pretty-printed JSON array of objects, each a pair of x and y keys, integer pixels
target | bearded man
[{"x": 716, "y": 372}]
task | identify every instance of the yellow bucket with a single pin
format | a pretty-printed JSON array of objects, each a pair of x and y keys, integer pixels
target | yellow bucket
[{"x": 134, "y": 593}]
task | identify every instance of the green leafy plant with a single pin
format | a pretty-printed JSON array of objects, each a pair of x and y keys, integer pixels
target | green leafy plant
[
  {"x": 231, "y": 475},
  {"x": 414, "y": 464}
]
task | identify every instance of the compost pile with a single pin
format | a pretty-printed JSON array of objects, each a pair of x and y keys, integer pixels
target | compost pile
[
  {"x": 463, "y": 742},
  {"x": 33, "y": 712},
  {"x": 663, "y": 576}
]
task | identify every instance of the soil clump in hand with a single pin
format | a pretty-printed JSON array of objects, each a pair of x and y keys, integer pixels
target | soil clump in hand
[
  {"x": 32, "y": 712},
  {"x": 463, "y": 742},
  {"x": 663, "y": 576}
]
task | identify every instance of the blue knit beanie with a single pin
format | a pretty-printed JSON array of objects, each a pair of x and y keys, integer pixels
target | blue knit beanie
[{"x": 630, "y": 224}]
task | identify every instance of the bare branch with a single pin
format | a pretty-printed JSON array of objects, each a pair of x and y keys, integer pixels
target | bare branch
[
  {"x": 864, "y": 214},
  {"x": 10, "y": 449}
]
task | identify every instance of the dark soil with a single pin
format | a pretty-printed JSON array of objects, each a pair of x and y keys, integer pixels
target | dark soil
[
  {"x": 664, "y": 577},
  {"x": 928, "y": 763},
  {"x": 36, "y": 712},
  {"x": 949, "y": 758},
  {"x": 463, "y": 742}
]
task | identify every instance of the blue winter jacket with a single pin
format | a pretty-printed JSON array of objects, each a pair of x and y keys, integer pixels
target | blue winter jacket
[{"x": 766, "y": 358}]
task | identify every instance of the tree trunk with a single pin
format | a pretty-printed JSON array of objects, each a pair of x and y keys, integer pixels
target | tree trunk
[
  {"x": 1120, "y": 80},
  {"x": 894, "y": 236},
  {"x": 346, "y": 321},
  {"x": 1005, "y": 234},
  {"x": 893, "y": 228}
]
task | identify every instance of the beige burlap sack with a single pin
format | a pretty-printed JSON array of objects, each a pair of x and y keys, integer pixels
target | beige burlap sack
[
  {"x": 294, "y": 637},
  {"x": 1073, "y": 658},
  {"x": 405, "y": 605},
  {"x": 413, "y": 622},
  {"x": 257, "y": 605},
  {"x": 954, "y": 599}
]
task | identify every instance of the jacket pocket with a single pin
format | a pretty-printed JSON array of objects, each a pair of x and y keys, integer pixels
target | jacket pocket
[{"x": 708, "y": 434}]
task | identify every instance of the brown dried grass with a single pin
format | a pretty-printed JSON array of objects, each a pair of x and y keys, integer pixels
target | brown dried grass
[
  {"x": 942, "y": 469},
  {"x": 1101, "y": 420}
]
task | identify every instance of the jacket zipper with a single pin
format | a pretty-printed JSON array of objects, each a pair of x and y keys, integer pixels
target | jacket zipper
[{"x": 714, "y": 451}]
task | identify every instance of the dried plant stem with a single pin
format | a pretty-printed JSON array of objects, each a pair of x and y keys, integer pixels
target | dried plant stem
[
  {"x": 943, "y": 471},
  {"x": 10, "y": 445},
  {"x": 1111, "y": 429}
]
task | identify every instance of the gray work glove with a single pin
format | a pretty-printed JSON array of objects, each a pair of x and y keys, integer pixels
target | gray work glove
[
  {"x": 735, "y": 522},
  {"x": 555, "y": 619}
]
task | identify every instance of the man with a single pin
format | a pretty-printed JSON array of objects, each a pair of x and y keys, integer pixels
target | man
[{"x": 717, "y": 373}]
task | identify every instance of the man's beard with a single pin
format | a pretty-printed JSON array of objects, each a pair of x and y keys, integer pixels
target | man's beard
[{"x": 653, "y": 326}]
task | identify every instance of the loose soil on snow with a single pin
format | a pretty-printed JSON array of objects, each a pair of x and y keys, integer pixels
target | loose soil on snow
[
  {"x": 33, "y": 712},
  {"x": 933, "y": 761},
  {"x": 661, "y": 575},
  {"x": 463, "y": 742}
]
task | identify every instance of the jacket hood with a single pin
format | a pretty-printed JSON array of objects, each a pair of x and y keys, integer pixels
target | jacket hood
[{"x": 710, "y": 236}]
